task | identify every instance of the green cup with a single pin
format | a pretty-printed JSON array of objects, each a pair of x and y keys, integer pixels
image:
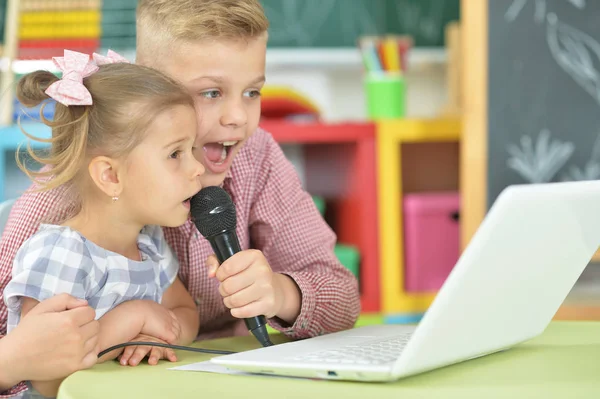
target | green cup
[{"x": 385, "y": 96}]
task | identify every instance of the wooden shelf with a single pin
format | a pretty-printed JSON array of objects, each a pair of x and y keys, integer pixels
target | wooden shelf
[
  {"x": 421, "y": 130},
  {"x": 402, "y": 130},
  {"x": 392, "y": 136},
  {"x": 314, "y": 132}
]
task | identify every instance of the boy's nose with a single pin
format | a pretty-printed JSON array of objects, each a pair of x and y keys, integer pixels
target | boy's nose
[{"x": 234, "y": 114}]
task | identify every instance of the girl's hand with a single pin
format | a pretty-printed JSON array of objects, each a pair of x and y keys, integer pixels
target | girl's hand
[
  {"x": 160, "y": 322},
  {"x": 133, "y": 355}
]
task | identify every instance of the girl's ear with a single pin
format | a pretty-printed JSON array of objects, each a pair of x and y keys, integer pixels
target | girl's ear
[{"x": 104, "y": 171}]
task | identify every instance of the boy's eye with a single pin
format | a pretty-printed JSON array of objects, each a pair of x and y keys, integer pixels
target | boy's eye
[
  {"x": 175, "y": 154},
  {"x": 252, "y": 93},
  {"x": 210, "y": 94}
]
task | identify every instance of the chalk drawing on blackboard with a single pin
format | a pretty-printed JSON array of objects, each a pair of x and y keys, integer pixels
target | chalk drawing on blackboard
[
  {"x": 575, "y": 52},
  {"x": 578, "y": 3},
  {"x": 300, "y": 21},
  {"x": 540, "y": 9},
  {"x": 539, "y": 161},
  {"x": 590, "y": 171}
]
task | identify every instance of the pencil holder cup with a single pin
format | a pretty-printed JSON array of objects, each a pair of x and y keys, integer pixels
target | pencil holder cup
[{"x": 385, "y": 96}]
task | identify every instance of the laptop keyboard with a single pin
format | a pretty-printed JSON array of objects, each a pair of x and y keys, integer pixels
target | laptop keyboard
[{"x": 380, "y": 351}]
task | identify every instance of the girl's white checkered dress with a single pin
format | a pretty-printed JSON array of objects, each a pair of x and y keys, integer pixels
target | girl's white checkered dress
[{"x": 58, "y": 259}]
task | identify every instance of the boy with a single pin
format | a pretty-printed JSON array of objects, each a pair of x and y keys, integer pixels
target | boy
[{"x": 217, "y": 48}]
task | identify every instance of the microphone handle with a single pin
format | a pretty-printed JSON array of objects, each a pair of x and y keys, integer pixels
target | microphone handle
[{"x": 225, "y": 246}]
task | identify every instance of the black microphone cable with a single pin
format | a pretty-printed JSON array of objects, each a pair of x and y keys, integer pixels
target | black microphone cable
[{"x": 159, "y": 344}]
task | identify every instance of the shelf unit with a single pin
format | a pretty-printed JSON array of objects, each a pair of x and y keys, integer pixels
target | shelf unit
[{"x": 397, "y": 305}]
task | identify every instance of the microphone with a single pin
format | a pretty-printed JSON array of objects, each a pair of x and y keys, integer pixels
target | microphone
[{"x": 214, "y": 215}]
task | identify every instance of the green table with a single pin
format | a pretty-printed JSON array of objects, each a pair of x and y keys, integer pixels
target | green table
[{"x": 564, "y": 362}]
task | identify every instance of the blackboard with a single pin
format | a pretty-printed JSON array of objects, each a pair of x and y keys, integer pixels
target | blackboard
[
  {"x": 316, "y": 23},
  {"x": 543, "y": 92},
  {"x": 312, "y": 23},
  {"x": 339, "y": 23}
]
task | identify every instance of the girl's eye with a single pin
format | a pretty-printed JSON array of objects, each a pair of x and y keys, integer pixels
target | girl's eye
[
  {"x": 252, "y": 93},
  {"x": 175, "y": 154},
  {"x": 210, "y": 94}
]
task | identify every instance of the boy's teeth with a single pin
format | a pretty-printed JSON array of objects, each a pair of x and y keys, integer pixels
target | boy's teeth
[
  {"x": 223, "y": 154},
  {"x": 228, "y": 143}
]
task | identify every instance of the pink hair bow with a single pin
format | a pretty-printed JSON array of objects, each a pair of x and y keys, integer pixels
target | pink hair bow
[
  {"x": 110, "y": 58},
  {"x": 70, "y": 89}
]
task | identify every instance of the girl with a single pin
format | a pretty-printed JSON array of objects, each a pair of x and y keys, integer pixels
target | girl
[{"x": 121, "y": 146}]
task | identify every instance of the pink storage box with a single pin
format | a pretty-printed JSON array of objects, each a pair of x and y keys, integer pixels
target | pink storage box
[{"x": 431, "y": 239}]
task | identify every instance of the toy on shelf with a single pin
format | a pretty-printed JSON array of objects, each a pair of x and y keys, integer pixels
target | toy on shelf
[
  {"x": 46, "y": 28},
  {"x": 285, "y": 103}
]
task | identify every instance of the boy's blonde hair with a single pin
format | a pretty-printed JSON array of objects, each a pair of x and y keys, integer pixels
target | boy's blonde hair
[
  {"x": 126, "y": 99},
  {"x": 163, "y": 24}
]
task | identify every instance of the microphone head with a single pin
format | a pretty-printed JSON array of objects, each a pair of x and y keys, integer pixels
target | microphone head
[{"x": 213, "y": 211}]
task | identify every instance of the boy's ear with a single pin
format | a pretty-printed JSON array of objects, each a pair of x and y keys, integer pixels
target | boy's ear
[{"x": 104, "y": 171}]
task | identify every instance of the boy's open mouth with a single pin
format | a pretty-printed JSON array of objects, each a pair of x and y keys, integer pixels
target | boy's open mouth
[{"x": 217, "y": 154}]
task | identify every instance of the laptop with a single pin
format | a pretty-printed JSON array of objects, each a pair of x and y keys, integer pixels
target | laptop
[{"x": 530, "y": 249}]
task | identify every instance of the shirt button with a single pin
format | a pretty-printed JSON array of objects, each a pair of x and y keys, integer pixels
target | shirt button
[{"x": 198, "y": 301}]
